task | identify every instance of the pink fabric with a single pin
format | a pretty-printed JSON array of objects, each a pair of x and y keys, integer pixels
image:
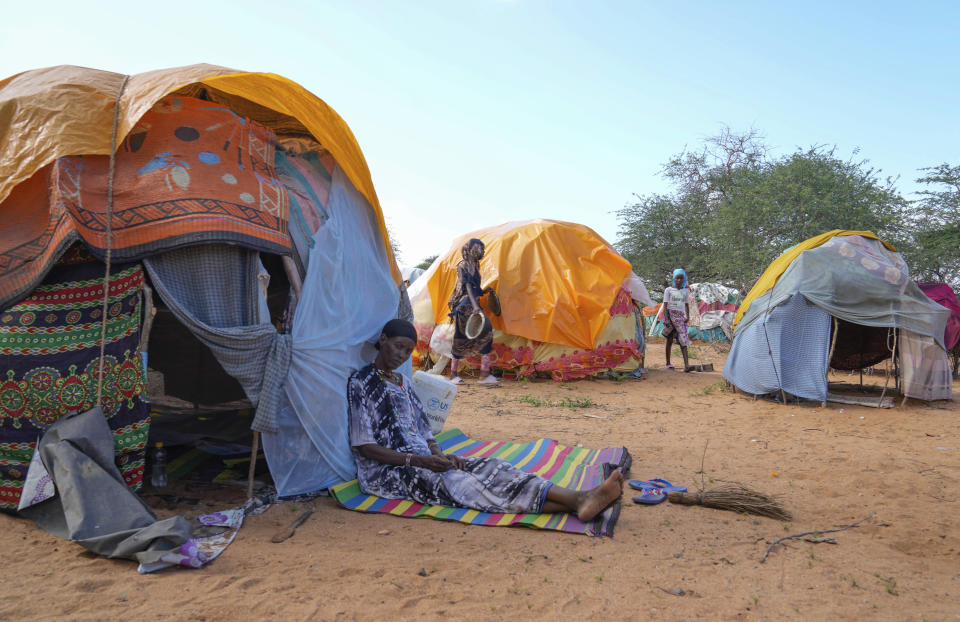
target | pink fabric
[
  {"x": 943, "y": 294},
  {"x": 716, "y": 306}
]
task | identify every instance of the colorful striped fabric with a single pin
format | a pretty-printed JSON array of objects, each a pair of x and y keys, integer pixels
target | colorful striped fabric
[{"x": 572, "y": 467}]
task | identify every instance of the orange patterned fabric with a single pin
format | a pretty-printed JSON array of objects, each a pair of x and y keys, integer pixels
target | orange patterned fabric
[{"x": 189, "y": 172}]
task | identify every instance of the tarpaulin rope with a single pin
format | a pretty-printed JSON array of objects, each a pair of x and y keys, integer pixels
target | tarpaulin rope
[{"x": 109, "y": 231}]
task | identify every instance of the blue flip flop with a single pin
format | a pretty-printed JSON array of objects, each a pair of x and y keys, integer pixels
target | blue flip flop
[
  {"x": 666, "y": 486},
  {"x": 651, "y": 496},
  {"x": 655, "y": 484}
]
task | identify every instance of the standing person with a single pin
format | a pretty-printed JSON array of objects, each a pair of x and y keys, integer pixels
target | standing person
[
  {"x": 464, "y": 303},
  {"x": 675, "y": 315},
  {"x": 398, "y": 458}
]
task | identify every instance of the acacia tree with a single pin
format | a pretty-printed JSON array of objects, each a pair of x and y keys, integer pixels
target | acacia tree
[
  {"x": 426, "y": 263},
  {"x": 935, "y": 227},
  {"x": 659, "y": 233},
  {"x": 734, "y": 209}
]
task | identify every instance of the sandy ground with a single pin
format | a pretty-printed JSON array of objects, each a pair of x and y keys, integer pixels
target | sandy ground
[{"x": 831, "y": 467}]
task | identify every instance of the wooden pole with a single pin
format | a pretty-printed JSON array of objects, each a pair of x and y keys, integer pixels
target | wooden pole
[
  {"x": 833, "y": 344},
  {"x": 253, "y": 463},
  {"x": 293, "y": 275},
  {"x": 896, "y": 363},
  {"x": 861, "y": 359},
  {"x": 149, "y": 312},
  {"x": 256, "y": 434}
]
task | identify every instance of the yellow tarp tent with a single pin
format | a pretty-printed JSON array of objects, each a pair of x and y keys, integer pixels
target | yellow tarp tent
[{"x": 556, "y": 280}]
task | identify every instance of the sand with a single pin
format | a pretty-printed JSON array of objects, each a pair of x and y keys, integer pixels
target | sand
[{"x": 831, "y": 467}]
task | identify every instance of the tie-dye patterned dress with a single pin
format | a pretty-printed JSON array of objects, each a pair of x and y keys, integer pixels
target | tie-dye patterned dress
[{"x": 391, "y": 416}]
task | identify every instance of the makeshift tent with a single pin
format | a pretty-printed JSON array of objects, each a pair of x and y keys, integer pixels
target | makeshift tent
[
  {"x": 565, "y": 294},
  {"x": 845, "y": 300},
  {"x": 246, "y": 203},
  {"x": 717, "y": 304},
  {"x": 943, "y": 294},
  {"x": 411, "y": 274}
]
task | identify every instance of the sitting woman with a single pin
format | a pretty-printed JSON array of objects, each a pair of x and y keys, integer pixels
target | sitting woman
[{"x": 398, "y": 458}]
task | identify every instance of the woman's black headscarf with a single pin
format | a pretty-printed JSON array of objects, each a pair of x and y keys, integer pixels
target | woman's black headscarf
[{"x": 399, "y": 328}]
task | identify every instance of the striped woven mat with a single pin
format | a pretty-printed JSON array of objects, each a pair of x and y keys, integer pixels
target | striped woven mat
[{"x": 572, "y": 467}]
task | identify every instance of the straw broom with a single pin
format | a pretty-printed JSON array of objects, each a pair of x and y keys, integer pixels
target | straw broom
[{"x": 733, "y": 497}]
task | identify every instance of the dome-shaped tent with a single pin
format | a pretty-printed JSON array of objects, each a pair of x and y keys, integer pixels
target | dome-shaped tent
[
  {"x": 563, "y": 290},
  {"x": 845, "y": 300},
  {"x": 216, "y": 174}
]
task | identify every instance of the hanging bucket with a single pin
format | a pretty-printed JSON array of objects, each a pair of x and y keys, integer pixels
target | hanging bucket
[{"x": 474, "y": 326}]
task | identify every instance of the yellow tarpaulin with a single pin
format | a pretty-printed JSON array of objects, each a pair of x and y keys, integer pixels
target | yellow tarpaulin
[
  {"x": 769, "y": 277},
  {"x": 58, "y": 111},
  {"x": 556, "y": 280}
]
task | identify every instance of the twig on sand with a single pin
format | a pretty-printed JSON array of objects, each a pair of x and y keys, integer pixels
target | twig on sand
[
  {"x": 703, "y": 484},
  {"x": 812, "y": 533},
  {"x": 287, "y": 532}
]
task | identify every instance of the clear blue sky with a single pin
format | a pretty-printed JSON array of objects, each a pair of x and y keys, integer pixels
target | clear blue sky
[{"x": 475, "y": 112}]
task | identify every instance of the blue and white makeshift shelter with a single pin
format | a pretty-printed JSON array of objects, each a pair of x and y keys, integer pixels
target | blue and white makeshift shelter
[{"x": 846, "y": 303}]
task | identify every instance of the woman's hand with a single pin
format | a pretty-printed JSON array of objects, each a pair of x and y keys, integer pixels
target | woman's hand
[
  {"x": 456, "y": 461},
  {"x": 433, "y": 462}
]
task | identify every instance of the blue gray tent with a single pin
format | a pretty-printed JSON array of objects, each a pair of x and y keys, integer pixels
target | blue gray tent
[{"x": 848, "y": 303}]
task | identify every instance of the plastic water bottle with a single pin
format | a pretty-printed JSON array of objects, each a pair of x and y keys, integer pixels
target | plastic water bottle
[{"x": 158, "y": 473}]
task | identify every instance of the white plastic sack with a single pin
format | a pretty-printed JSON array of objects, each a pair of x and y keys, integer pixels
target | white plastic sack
[
  {"x": 38, "y": 485},
  {"x": 437, "y": 395},
  {"x": 638, "y": 291},
  {"x": 442, "y": 340}
]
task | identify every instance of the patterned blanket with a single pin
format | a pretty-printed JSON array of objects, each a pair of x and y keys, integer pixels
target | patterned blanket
[
  {"x": 49, "y": 357},
  {"x": 573, "y": 467}
]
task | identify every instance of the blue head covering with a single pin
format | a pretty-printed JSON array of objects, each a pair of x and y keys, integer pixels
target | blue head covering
[{"x": 681, "y": 272}]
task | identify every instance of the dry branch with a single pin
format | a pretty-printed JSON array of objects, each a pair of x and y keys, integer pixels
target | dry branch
[{"x": 811, "y": 533}]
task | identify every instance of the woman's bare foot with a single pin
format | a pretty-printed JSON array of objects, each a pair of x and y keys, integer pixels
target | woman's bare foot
[{"x": 595, "y": 501}]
